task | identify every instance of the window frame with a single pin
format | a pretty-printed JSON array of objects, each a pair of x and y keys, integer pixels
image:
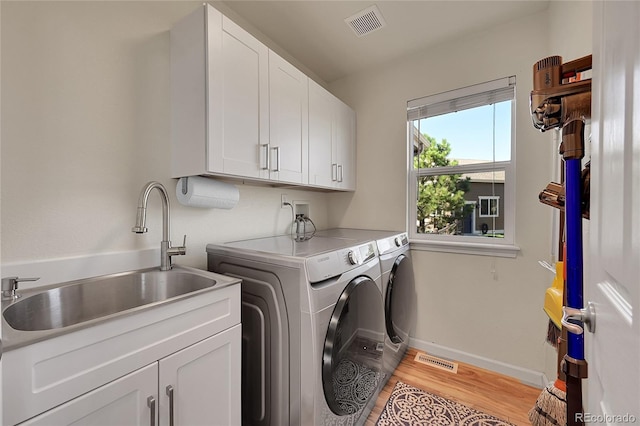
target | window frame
[{"x": 501, "y": 247}]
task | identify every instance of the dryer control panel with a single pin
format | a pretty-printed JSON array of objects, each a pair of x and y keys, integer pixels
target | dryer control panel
[
  {"x": 389, "y": 244},
  {"x": 334, "y": 263}
]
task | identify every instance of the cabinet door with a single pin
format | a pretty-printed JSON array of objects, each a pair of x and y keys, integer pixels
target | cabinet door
[
  {"x": 288, "y": 121},
  {"x": 323, "y": 171},
  {"x": 200, "y": 385},
  {"x": 345, "y": 147},
  {"x": 219, "y": 98},
  {"x": 238, "y": 108},
  {"x": 331, "y": 140},
  {"x": 122, "y": 402}
]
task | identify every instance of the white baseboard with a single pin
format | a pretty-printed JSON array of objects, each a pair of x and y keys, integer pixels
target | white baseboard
[
  {"x": 52, "y": 271},
  {"x": 526, "y": 376}
]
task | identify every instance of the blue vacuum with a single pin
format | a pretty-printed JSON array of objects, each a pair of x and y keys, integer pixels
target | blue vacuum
[{"x": 561, "y": 100}]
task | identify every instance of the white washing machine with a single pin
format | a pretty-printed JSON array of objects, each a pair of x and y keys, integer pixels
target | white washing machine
[
  {"x": 398, "y": 287},
  {"x": 313, "y": 328}
]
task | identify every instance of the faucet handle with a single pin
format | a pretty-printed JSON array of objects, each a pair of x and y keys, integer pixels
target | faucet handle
[{"x": 179, "y": 251}]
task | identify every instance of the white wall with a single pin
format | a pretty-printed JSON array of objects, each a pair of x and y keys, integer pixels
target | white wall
[
  {"x": 85, "y": 124},
  {"x": 488, "y": 307}
]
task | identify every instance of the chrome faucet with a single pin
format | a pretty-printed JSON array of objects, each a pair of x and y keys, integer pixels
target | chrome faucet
[{"x": 166, "y": 251}]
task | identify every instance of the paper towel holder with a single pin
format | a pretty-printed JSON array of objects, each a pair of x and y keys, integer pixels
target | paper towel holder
[
  {"x": 203, "y": 192},
  {"x": 185, "y": 185}
]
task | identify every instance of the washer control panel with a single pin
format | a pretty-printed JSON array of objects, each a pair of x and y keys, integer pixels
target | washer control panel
[{"x": 331, "y": 264}]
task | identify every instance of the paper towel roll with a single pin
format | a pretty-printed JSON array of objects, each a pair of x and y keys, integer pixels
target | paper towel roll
[{"x": 206, "y": 193}]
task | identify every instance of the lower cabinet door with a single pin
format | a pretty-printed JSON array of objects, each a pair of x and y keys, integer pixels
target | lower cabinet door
[
  {"x": 129, "y": 400},
  {"x": 200, "y": 385}
]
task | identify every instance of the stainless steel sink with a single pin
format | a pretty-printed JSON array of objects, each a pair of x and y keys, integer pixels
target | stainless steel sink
[{"x": 105, "y": 296}]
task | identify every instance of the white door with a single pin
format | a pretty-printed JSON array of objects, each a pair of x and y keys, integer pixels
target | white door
[
  {"x": 238, "y": 104},
  {"x": 288, "y": 121},
  {"x": 200, "y": 385},
  {"x": 322, "y": 168},
  {"x": 345, "y": 146},
  {"x": 613, "y": 351},
  {"x": 130, "y": 400}
]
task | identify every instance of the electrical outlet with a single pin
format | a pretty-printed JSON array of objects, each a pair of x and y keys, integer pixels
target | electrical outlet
[{"x": 284, "y": 201}]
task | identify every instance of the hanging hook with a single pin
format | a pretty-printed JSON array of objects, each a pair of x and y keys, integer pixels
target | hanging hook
[{"x": 586, "y": 315}]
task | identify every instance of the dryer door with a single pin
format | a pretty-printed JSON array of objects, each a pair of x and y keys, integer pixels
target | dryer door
[
  {"x": 352, "y": 356},
  {"x": 399, "y": 300}
]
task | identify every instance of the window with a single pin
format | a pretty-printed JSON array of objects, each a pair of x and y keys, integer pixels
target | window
[
  {"x": 489, "y": 206},
  {"x": 461, "y": 173}
]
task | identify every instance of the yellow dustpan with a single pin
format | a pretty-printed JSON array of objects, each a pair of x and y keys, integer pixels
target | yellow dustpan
[{"x": 553, "y": 297}]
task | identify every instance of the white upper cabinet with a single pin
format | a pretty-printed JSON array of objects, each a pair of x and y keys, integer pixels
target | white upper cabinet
[
  {"x": 331, "y": 141},
  {"x": 239, "y": 116},
  {"x": 289, "y": 119},
  {"x": 240, "y": 110},
  {"x": 346, "y": 147},
  {"x": 219, "y": 98},
  {"x": 322, "y": 134}
]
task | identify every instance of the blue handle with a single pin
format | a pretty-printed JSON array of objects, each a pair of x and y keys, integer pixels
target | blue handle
[{"x": 573, "y": 218}]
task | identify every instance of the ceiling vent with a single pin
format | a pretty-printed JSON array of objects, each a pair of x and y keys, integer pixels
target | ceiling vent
[{"x": 366, "y": 21}]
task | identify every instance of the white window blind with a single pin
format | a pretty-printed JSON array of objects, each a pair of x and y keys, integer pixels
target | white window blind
[{"x": 460, "y": 99}]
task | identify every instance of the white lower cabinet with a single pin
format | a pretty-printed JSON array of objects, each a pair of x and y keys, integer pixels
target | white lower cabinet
[
  {"x": 121, "y": 402},
  {"x": 199, "y": 385}
]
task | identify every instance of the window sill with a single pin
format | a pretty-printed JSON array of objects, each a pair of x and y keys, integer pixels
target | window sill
[{"x": 480, "y": 249}]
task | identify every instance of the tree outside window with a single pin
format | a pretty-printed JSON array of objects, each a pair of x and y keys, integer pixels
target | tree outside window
[{"x": 441, "y": 204}]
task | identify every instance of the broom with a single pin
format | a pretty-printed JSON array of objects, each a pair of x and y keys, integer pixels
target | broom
[{"x": 550, "y": 408}]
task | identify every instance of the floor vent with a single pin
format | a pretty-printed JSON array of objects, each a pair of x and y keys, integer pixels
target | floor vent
[
  {"x": 434, "y": 361},
  {"x": 366, "y": 21}
]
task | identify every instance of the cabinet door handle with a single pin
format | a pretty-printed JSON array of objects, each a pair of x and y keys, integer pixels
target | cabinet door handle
[
  {"x": 266, "y": 155},
  {"x": 151, "y": 403},
  {"x": 339, "y": 172},
  {"x": 277, "y": 150},
  {"x": 170, "y": 395},
  {"x": 334, "y": 172}
]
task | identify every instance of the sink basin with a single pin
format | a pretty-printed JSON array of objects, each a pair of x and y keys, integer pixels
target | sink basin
[{"x": 99, "y": 297}]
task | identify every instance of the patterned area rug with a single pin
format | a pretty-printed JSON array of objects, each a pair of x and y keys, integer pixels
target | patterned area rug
[{"x": 410, "y": 406}]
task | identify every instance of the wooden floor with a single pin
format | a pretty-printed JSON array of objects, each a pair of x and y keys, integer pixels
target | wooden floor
[{"x": 486, "y": 391}]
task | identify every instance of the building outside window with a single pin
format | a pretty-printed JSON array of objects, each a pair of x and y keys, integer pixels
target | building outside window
[{"x": 462, "y": 168}]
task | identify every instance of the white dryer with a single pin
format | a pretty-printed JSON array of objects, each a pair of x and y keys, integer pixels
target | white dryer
[
  {"x": 313, "y": 328},
  {"x": 399, "y": 291},
  {"x": 398, "y": 287}
]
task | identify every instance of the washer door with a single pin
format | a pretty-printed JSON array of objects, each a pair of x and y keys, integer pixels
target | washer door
[
  {"x": 352, "y": 355},
  {"x": 399, "y": 299}
]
